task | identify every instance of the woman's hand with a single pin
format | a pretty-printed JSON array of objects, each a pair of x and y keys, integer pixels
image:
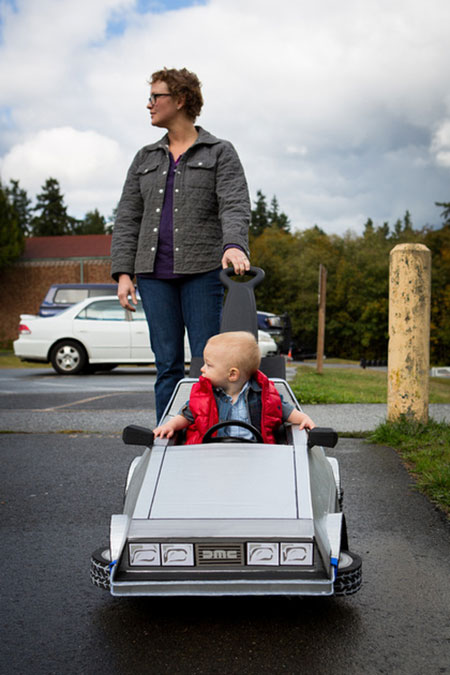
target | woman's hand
[
  {"x": 237, "y": 258},
  {"x": 124, "y": 289}
]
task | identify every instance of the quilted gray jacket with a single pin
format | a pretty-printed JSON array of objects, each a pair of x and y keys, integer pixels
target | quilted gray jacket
[{"x": 211, "y": 207}]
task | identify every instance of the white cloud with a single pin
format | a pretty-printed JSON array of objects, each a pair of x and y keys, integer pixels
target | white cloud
[
  {"x": 332, "y": 106},
  {"x": 88, "y": 166},
  {"x": 440, "y": 146}
]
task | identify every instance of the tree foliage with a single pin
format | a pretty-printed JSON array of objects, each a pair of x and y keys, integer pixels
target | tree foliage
[
  {"x": 11, "y": 235},
  {"x": 52, "y": 218},
  {"x": 357, "y": 284},
  {"x": 93, "y": 223}
]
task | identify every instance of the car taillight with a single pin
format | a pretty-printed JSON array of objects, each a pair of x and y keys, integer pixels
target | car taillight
[{"x": 24, "y": 330}]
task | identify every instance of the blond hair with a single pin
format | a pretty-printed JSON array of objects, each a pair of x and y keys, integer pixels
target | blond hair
[{"x": 241, "y": 350}]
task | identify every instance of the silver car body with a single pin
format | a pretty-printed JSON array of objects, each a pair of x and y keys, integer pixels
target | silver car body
[{"x": 228, "y": 518}]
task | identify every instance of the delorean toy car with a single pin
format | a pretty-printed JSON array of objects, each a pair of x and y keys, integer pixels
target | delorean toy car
[{"x": 230, "y": 516}]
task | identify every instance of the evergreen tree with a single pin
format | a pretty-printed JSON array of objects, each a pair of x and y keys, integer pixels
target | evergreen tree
[
  {"x": 52, "y": 219},
  {"x": 260, "y": 218},
  {"x": 18, "y": 198},
  {"x": 277, "y": 219},
  {"x": 93, "y": 223},
  {"x": 446, "y": 212},
  {"x": 12, "y": 239}
]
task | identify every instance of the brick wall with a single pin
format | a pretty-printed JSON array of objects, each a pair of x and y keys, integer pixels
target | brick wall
[{"x": 24, "y": 285}]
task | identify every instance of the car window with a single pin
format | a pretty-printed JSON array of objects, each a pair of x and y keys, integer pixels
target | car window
[
  {"x": 139, "y": 314},
  {"x": 70, "y": 295},
  {"x": 109, "y": 310},
  {"x": 95, "y": 292}
]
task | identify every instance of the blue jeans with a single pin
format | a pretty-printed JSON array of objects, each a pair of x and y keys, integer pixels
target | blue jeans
[{"x": 170, "y": 305}]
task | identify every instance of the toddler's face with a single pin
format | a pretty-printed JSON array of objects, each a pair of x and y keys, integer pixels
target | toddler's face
[{"x": 215, "y": 367}]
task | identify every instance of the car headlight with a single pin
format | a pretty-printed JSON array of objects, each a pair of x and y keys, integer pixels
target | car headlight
[
  {"x": 296, "y": 553},
  {"x": 263, "y": 553},
  {"x": 177, "y": 554},
  {"x": 144, "y": 555}
]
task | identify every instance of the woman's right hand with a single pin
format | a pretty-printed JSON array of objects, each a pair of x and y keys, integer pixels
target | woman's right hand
[{"x": 124, "y": 289}]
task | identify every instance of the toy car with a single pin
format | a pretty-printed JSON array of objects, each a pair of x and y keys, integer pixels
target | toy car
[{"x": 230, "y": 516}]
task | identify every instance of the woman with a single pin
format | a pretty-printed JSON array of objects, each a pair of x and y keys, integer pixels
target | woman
[{"x": 184, "y": 213}]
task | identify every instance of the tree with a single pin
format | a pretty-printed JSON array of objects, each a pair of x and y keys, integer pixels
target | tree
[
  {"x": 277, "y": 219},
  {"x": 18, "y": 198},
  {"x": 446, "y": 212},
  {"x": 260, "y": 219},
  {"x": 12, "y": 239},
  {"x": 93, "y": 223},
  {"x": 52, "y": 219}
]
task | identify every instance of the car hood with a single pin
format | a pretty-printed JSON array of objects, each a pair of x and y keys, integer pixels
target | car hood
[{"x": 219, "y": 481}]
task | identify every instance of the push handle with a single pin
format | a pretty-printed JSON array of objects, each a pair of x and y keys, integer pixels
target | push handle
[{"x": 256, "y": 272}]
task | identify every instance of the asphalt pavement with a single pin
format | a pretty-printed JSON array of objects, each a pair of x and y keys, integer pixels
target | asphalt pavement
[{"x": 34, "y": 400}]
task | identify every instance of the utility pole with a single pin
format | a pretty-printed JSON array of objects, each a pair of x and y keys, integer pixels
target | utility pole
[{"x": 321, "y": 323}]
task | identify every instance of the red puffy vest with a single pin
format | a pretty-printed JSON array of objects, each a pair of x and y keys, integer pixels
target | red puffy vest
[{"x": 204, "y": 408}]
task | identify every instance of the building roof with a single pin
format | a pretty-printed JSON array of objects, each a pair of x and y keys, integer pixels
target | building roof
[{"x": 70, "y": 246}]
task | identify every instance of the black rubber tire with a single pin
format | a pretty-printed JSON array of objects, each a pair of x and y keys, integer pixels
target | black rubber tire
[
  {"x": 349, "y": 574},
  {"x": 99, "y": 571},
  {"x": 68, "y": 357}
]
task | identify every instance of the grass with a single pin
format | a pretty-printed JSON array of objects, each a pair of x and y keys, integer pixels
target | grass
[
  {"x": 353, "y": 385},
  {"x": 8, "y": 360},
  {"x": 425, "y": 449}
]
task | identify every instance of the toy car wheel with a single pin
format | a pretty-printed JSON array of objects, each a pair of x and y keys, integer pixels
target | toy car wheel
[
  {"x": 349, "y": 575},
  {"x": 100, "y": 561},
  {"x": 68, "y": 357}
]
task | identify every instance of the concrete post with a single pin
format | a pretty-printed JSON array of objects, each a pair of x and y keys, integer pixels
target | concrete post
[{"x": 409, "y": 332}]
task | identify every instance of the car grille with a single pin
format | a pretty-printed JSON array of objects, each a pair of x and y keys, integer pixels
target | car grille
[{"x": 218, "y": 554}]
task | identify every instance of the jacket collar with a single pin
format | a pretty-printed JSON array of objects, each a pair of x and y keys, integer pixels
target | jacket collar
[{"x": 204, "y": 138}]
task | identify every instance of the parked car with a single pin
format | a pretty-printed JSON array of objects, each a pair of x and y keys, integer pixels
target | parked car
[
  {"x": 279, "y": 327},
  {"x": 61, "y": 296},
  {"x": 230, "y": 516},
  {"x": 96, "y": 333}
]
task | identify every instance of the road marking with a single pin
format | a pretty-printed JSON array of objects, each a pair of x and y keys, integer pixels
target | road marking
[{"x": 84, "y": 400}]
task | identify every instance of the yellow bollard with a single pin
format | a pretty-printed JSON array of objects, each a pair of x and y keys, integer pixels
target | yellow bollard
[{"x": 409, "y": 332}]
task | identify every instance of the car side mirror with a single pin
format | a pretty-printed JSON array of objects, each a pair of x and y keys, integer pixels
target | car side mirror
[
  {"x": 324, "y": 436},
  {"x": 134, "y": 435}
]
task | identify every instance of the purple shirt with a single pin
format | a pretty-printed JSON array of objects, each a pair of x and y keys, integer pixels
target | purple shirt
[{"x": 163, "y": 268}]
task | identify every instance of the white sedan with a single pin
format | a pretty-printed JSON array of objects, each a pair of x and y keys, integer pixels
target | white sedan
[{"x": 95, "y": 334}]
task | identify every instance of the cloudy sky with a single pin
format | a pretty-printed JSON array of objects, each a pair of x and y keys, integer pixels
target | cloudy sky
[{"x": 340, "y": 109}]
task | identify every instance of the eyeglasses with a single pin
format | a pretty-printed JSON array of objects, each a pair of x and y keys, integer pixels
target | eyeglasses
[{"x": 154, "y": 98}]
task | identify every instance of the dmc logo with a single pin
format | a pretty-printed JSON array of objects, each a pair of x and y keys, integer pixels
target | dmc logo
[{"x": 219, "y": 554}]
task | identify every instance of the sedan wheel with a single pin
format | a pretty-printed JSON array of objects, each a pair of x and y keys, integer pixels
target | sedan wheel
[{"x": 68, "y": 357}]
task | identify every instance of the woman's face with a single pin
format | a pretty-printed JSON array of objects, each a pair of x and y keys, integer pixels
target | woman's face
[{"x": 165, "y": 108}]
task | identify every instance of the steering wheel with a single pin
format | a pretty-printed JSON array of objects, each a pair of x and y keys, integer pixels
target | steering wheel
[{"x": 207, "y": 438}]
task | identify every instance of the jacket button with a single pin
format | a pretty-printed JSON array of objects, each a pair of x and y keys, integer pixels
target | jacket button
[
  {"x": 161, "y": 190},
  {"x": 176, "y": 190},
  {"x": 158, "y": 210},
  {"x": 155, "y": 229},
  {"x": 200, "y": 164},
  {"x": 153, "y": 248}
]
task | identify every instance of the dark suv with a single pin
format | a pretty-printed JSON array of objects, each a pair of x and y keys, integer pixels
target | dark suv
[{"x": 62, "y": 296}]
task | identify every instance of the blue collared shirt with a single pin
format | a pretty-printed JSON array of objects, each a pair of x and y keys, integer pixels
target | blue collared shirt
[{"x": 228, "y": 410}]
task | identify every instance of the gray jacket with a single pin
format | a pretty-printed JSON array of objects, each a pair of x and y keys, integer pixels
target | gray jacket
[{"x": 211, "y": 207}]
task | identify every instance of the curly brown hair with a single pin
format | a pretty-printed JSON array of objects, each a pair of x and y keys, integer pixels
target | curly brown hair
[{"x": 182, "y": 83}]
